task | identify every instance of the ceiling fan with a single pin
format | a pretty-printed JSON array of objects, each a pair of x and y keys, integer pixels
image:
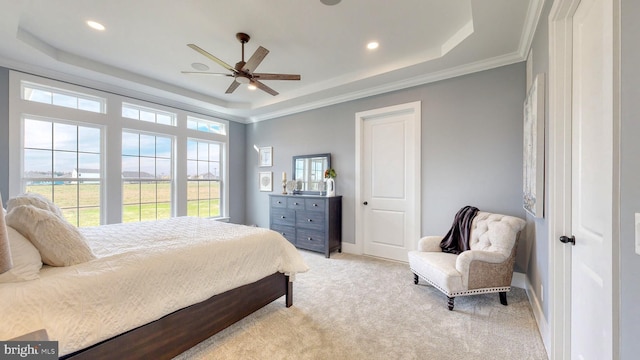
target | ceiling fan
[{"x": 243, "y": 72}]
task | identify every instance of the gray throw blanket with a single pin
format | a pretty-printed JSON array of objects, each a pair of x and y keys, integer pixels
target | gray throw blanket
[{"x": 457, "y": 239}]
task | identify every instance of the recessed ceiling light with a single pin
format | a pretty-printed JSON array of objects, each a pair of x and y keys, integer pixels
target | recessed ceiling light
[
  {"x": 372, "y": 45},
  {"x": 330, "y": 2},
  {"x": 95, "y": 25},
  {"x": 200, "y": 66}
]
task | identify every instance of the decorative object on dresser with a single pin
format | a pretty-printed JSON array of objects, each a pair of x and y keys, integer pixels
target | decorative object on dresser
[
  {"x": 308, "y": 222},
  {"x": 329, "y": 179}
]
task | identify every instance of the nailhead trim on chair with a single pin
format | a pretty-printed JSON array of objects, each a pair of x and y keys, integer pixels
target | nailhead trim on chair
[{"x": 464, "y": 293}]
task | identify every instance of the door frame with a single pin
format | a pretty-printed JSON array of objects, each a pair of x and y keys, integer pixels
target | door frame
[
  {"x": 560, "y": 102},
  {"x": 360, "y": 117}
]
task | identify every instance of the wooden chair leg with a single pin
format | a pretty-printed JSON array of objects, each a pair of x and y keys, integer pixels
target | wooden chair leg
[
  {"x": 503, "y": 298},
  {"x": 450, "y": 302},
  {"x": 415, "y": 279}
]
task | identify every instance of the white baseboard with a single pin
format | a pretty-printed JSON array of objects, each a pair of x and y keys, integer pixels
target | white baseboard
[
  {"x": 351, "y": 248},
  {"x": 538, "y": 314},
  {"x": 519, "y": 280}
]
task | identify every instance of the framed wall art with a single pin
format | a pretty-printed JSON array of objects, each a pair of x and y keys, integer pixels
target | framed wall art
[
  {"x": 265, "y": 155},
  {"x": 533, "y": 149},
  {"x": 265, "y": 180}
]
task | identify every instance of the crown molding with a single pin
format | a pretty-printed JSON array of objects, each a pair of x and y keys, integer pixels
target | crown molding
[{"x": 482, "y": 65}]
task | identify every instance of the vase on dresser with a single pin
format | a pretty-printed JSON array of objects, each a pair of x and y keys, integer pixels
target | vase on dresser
[{"x": 330, "y": 186}]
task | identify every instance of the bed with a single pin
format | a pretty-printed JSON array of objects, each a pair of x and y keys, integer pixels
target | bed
[{"x": 154, "y": 289}]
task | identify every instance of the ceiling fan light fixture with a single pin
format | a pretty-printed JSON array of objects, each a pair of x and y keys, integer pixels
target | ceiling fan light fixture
[
  {"x": 252, "y": 86},
  {"x": 200, "y": 66},
  {"x": 330, "y": 2},
  {"x": 243, "y": 80}
]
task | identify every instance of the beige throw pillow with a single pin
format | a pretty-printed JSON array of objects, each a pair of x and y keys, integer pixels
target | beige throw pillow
[
  {"x": 59, "y": 242},
  {"x": 36, "y": 200},
  {"x": 26, "y": 259}
]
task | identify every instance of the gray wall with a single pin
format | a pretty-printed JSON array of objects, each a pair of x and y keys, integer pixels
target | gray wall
[
  {"x": 237, "y": 172},
  {"x": 630, "y": 180},
  {"x": 537, "y": 228},
  {"x": 471, "y": 148}
]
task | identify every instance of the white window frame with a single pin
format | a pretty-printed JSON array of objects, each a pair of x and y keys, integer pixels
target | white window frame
[{"x": 114, "y": 123}]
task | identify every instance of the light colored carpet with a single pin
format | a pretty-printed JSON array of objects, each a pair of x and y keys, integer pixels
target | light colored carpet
[{"x": 357, "y": 307}]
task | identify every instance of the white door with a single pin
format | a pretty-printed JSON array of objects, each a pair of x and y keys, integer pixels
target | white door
[
  {"x": 592, "y": 177},
  {"x": 389, "y": 191}
]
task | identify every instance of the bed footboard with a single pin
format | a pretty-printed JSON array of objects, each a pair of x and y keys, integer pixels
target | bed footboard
[{"x": 179, "y": 331}]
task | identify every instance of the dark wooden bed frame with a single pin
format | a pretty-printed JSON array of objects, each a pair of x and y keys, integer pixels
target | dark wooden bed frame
[{"x": 177, "y": 332}]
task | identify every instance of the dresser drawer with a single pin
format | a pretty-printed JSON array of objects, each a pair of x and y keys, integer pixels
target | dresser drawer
[
  {"x": 278, "y": 202},
  {"x": 314, "y": 204},
  {"x": 295, "y": 203},
  {"x": 310, "y": 220},
  {"x": 289, "y": 232},
  {"x": 283, "y": 217},
  {"x": 310, "y": 239}
]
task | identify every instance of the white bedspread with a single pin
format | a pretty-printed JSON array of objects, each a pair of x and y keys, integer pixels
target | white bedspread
[{"x": 143, "y": 271}]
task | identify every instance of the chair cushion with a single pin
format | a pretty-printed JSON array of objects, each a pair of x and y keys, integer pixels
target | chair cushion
[
  {"x": 438, "y": 268},
  {"x": 495, "y": 232}
]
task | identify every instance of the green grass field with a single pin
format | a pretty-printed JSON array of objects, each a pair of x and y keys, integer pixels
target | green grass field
[{"x": 80, "y": 203}]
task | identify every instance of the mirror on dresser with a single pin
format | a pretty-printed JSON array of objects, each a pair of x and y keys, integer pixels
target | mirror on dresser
[{"x": 308, "y": 172}]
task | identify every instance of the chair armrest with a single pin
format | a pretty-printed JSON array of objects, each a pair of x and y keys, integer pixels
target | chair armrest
[
  {"x": 430, "y": 244},
  {"x": 466, "y": 257}
]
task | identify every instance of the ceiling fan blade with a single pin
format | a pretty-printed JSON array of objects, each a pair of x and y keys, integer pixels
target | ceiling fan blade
[
  {"x": 255, "y": 59},
  {"x": 234, "y": 85},
  {"x": 264, "y": 76},
  {"x": 265, "y": 88},
  {"x": 215, "y": 59},
  {"x": 206, "y": 73}
]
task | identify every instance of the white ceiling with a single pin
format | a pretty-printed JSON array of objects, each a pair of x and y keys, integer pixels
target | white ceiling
[{"x": 143, "y": 50}]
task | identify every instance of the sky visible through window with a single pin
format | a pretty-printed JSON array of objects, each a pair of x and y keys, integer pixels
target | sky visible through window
[{"x": 56, "y": 149}]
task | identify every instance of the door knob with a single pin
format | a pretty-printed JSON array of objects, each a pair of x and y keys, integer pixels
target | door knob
[
  {"x": 567, "y": 239},
  {"x": 365, "y": 203}
]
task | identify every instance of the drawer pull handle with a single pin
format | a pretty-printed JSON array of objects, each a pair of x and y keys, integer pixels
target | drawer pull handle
[
  {"x": 282, "y": 233},
  {"x": 309, "y": 238},
  {"x": 281, "y": 217},
  {"x": 279, "y": 202},
  {"x": 309, "y": 220},
  {"x": 295, "y": 203},
  {"x": 315, "y": 204}
]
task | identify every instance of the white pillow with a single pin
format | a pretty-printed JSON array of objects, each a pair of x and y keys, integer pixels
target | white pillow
[
  {"x": 59, "y": 242},
  {"x": 26, "y": 259},
  {"x": 36, "y": 200}
]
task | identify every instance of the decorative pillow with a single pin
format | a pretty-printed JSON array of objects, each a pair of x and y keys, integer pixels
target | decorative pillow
[
  {"x": 59, "y": 242},
  {"x": 36, "y": 200},
  {"x": 26, "y": 259}
]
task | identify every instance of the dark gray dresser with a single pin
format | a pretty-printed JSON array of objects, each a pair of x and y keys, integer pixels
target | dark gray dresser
[{"x": 308, "y": 222}]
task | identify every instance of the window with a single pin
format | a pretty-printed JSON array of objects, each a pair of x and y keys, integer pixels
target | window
[
  {"x": 203, "y": 178},
  {"x": 59, "y": 97},
  {"x": 146, "y": 176},
  {"x": 62, "y": 161},
  {"x": 142, "y": 113},
  {"x": 207, "y": 126},
  {"x": 77, "y": 151}
]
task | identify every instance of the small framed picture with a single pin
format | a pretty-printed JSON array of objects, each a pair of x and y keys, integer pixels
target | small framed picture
[
  {"x": 265, "y": 180},
  {"x": 266, "y": 156}
]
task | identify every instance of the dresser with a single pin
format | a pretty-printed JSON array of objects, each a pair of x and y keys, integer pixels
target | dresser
[{"x": 308, "y": 222}]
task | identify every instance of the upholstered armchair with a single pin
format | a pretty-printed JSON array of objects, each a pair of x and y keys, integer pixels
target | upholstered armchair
[{"x": 487, "y": 267}]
